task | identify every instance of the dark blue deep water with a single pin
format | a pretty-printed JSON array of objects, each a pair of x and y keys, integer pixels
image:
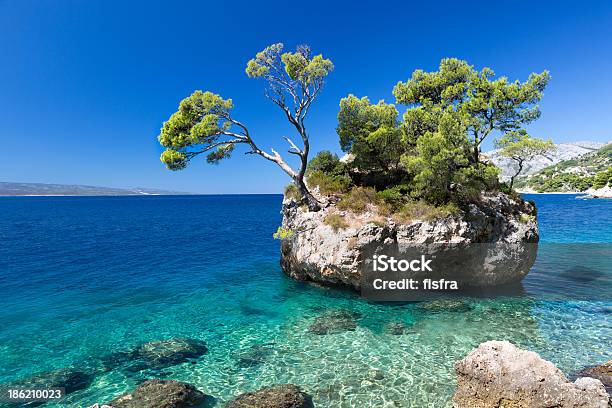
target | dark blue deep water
[{"x": 82, "y": 278}]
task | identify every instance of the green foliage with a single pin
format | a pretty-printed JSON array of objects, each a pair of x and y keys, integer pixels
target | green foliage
[
  {"x": 283, "y": 233},
  {"x": 392, "y": 199},
  {"x": 327, "y": 172},
  {"x": 437, "y": 158},
  {"x": 328, "y": 163},
  {"x": 174, "y": 160},
  {"x": 577, "y": 174},
  {"x": 298, "y": 65},
  {"x": 565, "y": 182},
  {"x": 336, "y": 221},
  {"x": 525, "y": 218},
  {"x": 292, "y": 192},
  {"x": 520, "y": 147},
  {"x": 371, "y": 133},
  {"x": 487, "y": 104},
  {"x": 602, "y": 179},
  {"x": 358, "y": 199},
  {"x": 198, "y": 126},
  {"x": 435, "y": 149},
  {"x": 203, "y": 123},
  {"x": 327, "y": 183}
]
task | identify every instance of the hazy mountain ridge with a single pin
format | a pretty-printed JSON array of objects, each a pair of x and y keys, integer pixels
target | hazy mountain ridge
[
  {"x": 43, "y": 189},
  {"x": 564, "y": 151}
]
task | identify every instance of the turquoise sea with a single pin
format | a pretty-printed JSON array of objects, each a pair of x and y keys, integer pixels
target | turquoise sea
[{"x": 83, "y": 279}]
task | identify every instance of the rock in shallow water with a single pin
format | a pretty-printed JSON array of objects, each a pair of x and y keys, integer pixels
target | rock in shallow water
[
  {"x": 254, "y": 355},
  {"x": 395, "y": 328},
  {"x": 333, "y": 322},
  {"x": 161, "y": 394},
  {"x": 70, "y": 379},
  {"x": 445, "y": 306},
  {"x": 498, "y": 374},
  {"x": 494, "y": 243},
  {"x": 277, "y": 396},
  {"x": 601, "y": 372},
  {"x": 157, "y": 355}
]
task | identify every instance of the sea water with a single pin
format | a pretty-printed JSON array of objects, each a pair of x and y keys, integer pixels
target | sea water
[{"x": 84, "y": 277}]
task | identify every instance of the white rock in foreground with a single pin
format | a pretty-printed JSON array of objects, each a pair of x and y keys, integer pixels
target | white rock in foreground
[{"x": 497, "y": 374}]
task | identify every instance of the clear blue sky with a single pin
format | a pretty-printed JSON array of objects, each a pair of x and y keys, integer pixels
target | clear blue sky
[{"x": 86, "y": 85}]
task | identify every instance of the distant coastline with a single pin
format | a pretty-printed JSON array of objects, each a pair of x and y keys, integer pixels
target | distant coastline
[{"x": 12, "y": 189}]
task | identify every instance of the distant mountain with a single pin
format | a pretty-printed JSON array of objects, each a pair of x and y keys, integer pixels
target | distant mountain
[
  {"x": 592, "y": 170},
  {"x": 25, "y": 189},
  {"x": 565, "y": 151}
]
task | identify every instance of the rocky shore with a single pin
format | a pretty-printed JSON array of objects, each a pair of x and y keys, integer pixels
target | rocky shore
[
  {"x": 494, "y": 240},
  {"x": 497, "y": 374}
]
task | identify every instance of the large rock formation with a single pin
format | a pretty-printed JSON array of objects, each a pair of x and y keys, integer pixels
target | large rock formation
[
  {"x": 499, "y": 375},
  {"x": 492, "y": 242}
]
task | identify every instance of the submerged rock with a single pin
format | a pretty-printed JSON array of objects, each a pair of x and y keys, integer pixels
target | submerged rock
[
  {"x": 70, "y": 379},
  {"x": 602, "y": 372},
  {"x": 333, "y": 322},
  {"x": 157, "y": 355},
  {"x": 498, "y": 374},
  {"x": 445, "y": 306},
  {"x": 505, "y": 228},
  {"x": 254, "y": 355},
  {"x": 161, "y": 394},
  {"x": 277, "y": 396},
  {"x": 395, "y": 328}
]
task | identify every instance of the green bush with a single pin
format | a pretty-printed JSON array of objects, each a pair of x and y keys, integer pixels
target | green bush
[
  {"x": 336, "y": 221},
  {"x": 328, "y": 184},
  {"x": 292, "y": 192},
  {"x": 392, "y": 199},
  {"x": 326, "y": 162},
  {"x": 283, "y": 233},
  {"x": 602, "y": 179},
  {"x": 357, "y": 199}
]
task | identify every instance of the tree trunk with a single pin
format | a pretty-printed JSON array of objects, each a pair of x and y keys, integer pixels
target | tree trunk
[
  {"x": 520, "y": 168},
  {"x": 307, "y": 197}
]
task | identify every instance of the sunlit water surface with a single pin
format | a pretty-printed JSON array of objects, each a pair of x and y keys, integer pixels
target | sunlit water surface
[{"x": 84, "y": 277}]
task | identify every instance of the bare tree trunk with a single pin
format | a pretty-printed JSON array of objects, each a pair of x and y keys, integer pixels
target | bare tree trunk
[
  {"x": 520, "y": 168},
  {"x": 307, "y": 197}
]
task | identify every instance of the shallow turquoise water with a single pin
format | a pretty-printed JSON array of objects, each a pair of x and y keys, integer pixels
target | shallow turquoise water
[{"x": 83, "y": 277}]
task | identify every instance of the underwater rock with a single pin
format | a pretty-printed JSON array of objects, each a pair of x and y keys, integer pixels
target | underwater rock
[
  {"x": 395, "y": 328},
  {"x": 277, "y": 396},
  {"x": 494, "y": 242},
  {"x": 445, "y": 306},
  {"x": 254, "y": 355},
  {"x": 70, "y": 379},
  {"x": 161, "y": 394},
  {"x": 498, "y": 374},
  {"x": 602, "y": 372},
  {"x": 157, "y": 355},
  {"x": 333, "y": 322}
]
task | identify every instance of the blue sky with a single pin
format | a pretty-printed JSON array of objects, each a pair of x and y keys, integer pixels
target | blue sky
[{"x": 86, "y": 85}]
